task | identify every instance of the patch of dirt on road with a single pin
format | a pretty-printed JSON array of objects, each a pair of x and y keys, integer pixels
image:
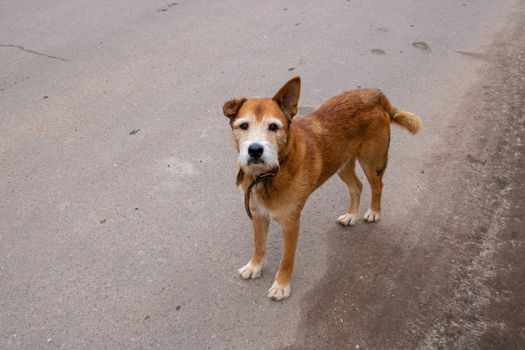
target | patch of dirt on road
[{"x": 458, "y": 282}]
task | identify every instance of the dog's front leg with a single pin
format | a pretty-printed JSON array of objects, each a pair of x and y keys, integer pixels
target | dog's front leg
[
  {"x": 281, "y": 287},
  {"x": 253, "y": 269}
]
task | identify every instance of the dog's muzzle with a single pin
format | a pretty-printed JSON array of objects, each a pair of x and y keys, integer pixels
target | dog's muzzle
[{"x": 255, "y": 151}]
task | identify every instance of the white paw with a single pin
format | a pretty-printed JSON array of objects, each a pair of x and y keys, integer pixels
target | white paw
[
  {"x": 371, "y": 215},
  {"x": 278, "y": 292},
  {"x": 347, "y": 219},
  {"x": 251, "y": 271}
]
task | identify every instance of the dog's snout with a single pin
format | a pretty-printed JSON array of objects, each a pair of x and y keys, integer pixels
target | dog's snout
[{"x": 255, "y": 150}]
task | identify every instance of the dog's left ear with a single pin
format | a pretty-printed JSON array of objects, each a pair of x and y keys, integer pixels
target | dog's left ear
[
  {"x": 288, "y": 97},
  {"x": 232, "y": 107}
]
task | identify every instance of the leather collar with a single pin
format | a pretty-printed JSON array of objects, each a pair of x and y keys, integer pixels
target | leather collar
[{"x": 248, "y": 192}]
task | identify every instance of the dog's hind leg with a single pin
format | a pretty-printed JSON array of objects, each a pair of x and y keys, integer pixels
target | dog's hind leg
[
  {"x": 376, "y": 185},
  {"x": 373, "y": 157},
  {"x": 349, "y": 177},
  {"x": 374, "y": 168}
]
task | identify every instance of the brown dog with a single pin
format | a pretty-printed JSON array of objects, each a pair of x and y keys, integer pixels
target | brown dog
[{"x": 283, "y": 160}]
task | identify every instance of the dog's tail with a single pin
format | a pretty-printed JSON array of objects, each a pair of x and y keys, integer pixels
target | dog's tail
[{"x": 405, "y": 119}]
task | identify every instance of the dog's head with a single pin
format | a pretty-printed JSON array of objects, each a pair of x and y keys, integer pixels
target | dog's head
[{"x": 261, "y": 127}]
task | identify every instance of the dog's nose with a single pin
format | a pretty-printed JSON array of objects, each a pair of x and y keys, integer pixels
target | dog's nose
[{"x": 255, "y": 150}]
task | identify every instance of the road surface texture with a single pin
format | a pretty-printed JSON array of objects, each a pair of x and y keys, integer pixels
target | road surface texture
[{"x": 120, "y": 224}]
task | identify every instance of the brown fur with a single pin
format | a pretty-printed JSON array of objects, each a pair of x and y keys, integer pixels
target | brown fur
[{"x": 351, "y": 126}]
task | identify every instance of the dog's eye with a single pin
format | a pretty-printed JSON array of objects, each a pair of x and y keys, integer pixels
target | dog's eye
[
  {"x": 273, "y": 127},
  {"x": 244, "y": 126}
]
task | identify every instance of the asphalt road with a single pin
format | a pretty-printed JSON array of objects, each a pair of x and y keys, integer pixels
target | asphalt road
[{"x": 120, "y": 224}]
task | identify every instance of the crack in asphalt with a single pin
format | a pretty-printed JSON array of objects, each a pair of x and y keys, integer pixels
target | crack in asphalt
[{"x": 21, "y": 48}]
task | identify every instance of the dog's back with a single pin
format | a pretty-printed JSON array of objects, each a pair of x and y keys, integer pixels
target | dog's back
[{"x": 359, "y": 109}]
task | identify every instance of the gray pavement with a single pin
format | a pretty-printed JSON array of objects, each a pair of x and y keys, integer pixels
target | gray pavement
[{"x": 121, "y": 227}]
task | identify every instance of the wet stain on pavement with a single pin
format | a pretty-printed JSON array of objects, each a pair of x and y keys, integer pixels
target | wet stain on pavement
[
  {"x": 378, "y": 51},
  {"x": 451, "y": 282},
  {"x": 423, "y": 46}
]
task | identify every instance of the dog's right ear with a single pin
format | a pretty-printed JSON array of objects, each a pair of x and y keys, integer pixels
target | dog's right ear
[{"x": 232, "y": 107}]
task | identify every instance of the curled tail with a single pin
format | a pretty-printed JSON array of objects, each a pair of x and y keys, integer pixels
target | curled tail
[{"x": 407, "y": 120}]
